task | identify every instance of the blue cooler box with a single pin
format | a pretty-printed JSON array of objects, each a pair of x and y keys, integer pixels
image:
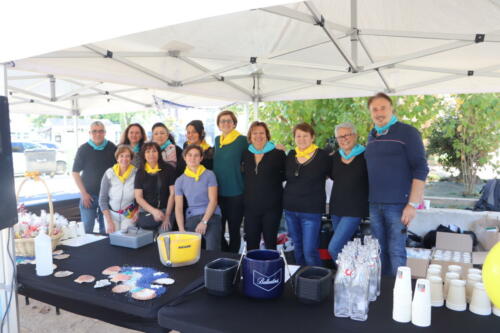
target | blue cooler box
[{"x": 134, "y": 238}]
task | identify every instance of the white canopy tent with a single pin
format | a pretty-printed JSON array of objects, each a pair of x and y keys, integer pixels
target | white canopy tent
[{"x": 306, "y": 50}]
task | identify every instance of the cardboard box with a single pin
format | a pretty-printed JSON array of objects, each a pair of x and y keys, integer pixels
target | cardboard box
[
  {"x": 487, "y": 231},
  {"x": 453, "y": 242},
  {"x": 418, "y": 266}
]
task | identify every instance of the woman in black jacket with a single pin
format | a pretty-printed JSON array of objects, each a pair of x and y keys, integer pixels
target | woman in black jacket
[{"x": 264, "y": 172}]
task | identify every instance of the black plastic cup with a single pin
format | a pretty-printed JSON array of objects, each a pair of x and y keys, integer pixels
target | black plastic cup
[
  {"x": 219, "y": 275},
  {"x": 313, "y": 284}
]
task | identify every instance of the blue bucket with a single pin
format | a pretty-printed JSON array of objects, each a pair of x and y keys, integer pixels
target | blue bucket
[{"x": 263, "y": 274}]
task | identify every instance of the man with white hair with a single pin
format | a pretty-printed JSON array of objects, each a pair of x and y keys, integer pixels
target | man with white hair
[{"x": 92, "y": 159}]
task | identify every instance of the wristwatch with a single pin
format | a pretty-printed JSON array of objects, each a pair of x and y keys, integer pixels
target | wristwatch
[
  {"x": 204, "y": 222},
  {"x": 414, "y": 204}
]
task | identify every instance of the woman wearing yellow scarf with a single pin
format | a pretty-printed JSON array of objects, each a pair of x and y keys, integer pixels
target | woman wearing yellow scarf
[
  {"x": 228, "y": 156},
  {"x": 199, "y": 186},
  {"x": 154, "y": 189},
  {"x": 304, "y": 197},
  {"x": 116, "y": 196},
  {"x": 195, "y": 135}
]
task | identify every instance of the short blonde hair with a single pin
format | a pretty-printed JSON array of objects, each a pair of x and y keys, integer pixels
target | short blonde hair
[{"x": 123, "y": 148}]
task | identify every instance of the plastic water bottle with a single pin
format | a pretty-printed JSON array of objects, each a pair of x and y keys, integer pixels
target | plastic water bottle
[{"x": 43, "y": 253}]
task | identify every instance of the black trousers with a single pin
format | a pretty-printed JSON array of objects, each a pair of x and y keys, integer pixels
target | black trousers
[
  {"x": 232, "y": 213},
  {"x": 265, "y": 224}
]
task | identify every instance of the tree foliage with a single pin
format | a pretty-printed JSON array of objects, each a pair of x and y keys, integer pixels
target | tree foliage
[{"x": 466, "y": 135}]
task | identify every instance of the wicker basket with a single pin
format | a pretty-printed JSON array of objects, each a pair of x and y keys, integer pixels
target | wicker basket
[{"x": 26, "y": 246}]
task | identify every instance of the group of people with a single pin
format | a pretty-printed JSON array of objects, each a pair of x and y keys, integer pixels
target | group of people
[{"x": 154, "y": 184}]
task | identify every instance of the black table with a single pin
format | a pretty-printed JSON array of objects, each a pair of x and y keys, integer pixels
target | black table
[
  {"x": 236, "y": 313},
  {"x": 102, "y": 304}
]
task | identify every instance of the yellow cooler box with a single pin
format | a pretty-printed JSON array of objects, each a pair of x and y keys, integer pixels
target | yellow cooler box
[{"x": 179, "y": 248}]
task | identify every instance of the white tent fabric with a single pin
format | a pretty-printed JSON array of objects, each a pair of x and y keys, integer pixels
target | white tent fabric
[{"x": 306, "y": 50}]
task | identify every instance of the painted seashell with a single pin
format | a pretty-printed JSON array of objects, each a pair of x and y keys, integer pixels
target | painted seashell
[
  {"x": 61, "y": 256},
  {"x": 57, "y": 252},
  {"x": 165, "y": 281},
  {"x": 121, "y": 288},
  {"x": 144, "y": 295},
  {"x": 111, "y": 270},
  {"x": 102, "y": 283},
  {"x": 85, "y": 279},
  {"x": 63, "y": 273},
  {"x": 120, "y": 278}
]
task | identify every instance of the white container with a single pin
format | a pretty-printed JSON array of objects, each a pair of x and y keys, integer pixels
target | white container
[
  {"x": 421, "y": 305},
  {"x": 448, "y": 277},
  {"x": 455, "y": 300},
  {"x": 474, "y": 271},
  {"x": 401, "y": 308},
  {"x": 480, "y": 302},
  {"x": 43, "y": 254},
  {"x": 472, "y": 279},
  {"x": 80, "y": 228},
  {"x": 496, "y": 311},
  {"x": 437, "y": 298},
  {"x": 433, "y": 272},
  {"x": 455, "y": 268},
  {"x": 73, "y": 229}
]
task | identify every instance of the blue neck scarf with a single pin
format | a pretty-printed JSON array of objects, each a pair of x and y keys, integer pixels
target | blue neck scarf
[
  {"x": 267, "y": 148},
  {"x": 96, "y": 147},
  {"x": 358, "y": 149},
  {"x": 381, "y": 130},
  {"x": 165, "y": 145},
  {"x": 137, "y": 148}
]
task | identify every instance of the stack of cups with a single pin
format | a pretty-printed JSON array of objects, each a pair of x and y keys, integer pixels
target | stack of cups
[
  {"x": 480, "y": 302},
  {"x": 433, "y": 272},
  {"x": 472, "y": 279},
  {"x": 448, "y": 277},
  {"x": 455, "y": 268},
  {"x": 421, "y": 305},
  {"x": 402, "y": 306},
  {"x": 455, "y": 300},
  {"x": 437, "y": 298}
]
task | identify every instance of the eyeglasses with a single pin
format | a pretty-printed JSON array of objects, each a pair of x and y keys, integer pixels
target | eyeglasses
[
  {"x": 98, "y": 131},
  {"x": 226, "y": 121},
  {"x": 344, "y": 137}
]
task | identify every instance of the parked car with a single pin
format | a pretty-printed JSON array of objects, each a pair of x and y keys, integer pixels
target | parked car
[
  {"x": 61, "y": 164},
  {"x": 29, "y": 156}
]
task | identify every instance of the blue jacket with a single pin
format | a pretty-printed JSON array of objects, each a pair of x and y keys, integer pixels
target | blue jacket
[{"x": 393, "y": 161}]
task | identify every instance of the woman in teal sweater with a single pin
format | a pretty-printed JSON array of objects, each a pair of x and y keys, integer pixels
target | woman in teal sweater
[{"x": 228, "y": 156}]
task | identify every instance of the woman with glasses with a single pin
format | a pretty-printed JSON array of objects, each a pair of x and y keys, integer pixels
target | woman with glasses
[
  {"x": 134, "y": 136},
  {"x": 228, "y": 156},
  {"x": 264, "y": 169},
  {"x": 304, "y": 198},
  {"x": 195, "y": 135},
  {"x": 170, "y": 152},
  {"x": 154, "y": 189},
  {"x": 349, "y": 196}
]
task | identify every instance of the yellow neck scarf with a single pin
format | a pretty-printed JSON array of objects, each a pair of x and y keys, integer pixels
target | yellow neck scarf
[
  {"x": 228, "y": 139},
  {"x": 204, "y": 145},
  {"x": 122, "y": 178},
  {"x": 150, "y": 170},
  {"x": 308, "y": 153},
  {"x": 196, "y": 176}
]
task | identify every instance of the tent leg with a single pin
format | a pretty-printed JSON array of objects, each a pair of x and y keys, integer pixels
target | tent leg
[
  {"x": 256, "y": 109},
  {"x": 8, "y": 290}
]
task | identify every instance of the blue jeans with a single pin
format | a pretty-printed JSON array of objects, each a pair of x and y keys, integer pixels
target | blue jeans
[
  {"x": 386, "y": 226},
  {"x": 89, "y": 215},
  {"x": 304, "y": 229},
  {"x": 344, "y": 227}
]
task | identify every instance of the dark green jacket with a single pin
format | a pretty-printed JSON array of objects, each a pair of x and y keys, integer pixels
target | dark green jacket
[{"x": 227, "y": 166}]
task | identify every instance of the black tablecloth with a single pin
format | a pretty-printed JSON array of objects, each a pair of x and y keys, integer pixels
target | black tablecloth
[
  {"x": 237, "y": 313},
  {"x": 101, "y": 303}
]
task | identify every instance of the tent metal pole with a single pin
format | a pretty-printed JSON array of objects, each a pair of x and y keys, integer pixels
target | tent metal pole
[
  {"x": 354, "y": 33},
  {"x": 429, "y": 35},
  {"x": 29, "y": 93},
  {"x": 8, "y": 289},
  {"x": 378, "y": 70},
  {"x": 196, "y": 78},
  {"x": 256, "y": 109},
  {"x": 76, "y": 114},
  {"x": 52, "y": 88}
]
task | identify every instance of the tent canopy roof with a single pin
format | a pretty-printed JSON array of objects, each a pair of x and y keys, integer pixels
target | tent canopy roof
[{"x": 306, "y": 50}]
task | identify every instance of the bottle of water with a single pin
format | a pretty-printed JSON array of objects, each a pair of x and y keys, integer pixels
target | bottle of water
[
  {"x": 359, "y": 291},
  {"x": 341, "y": 288},
  {"x": 43, "y": 253}
]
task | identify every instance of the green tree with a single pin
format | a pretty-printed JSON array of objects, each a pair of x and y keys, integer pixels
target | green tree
[{"x": 467, "y": 134}]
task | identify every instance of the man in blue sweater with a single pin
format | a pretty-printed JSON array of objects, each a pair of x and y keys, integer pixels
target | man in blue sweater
[{"x": 397, "y": 169}]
